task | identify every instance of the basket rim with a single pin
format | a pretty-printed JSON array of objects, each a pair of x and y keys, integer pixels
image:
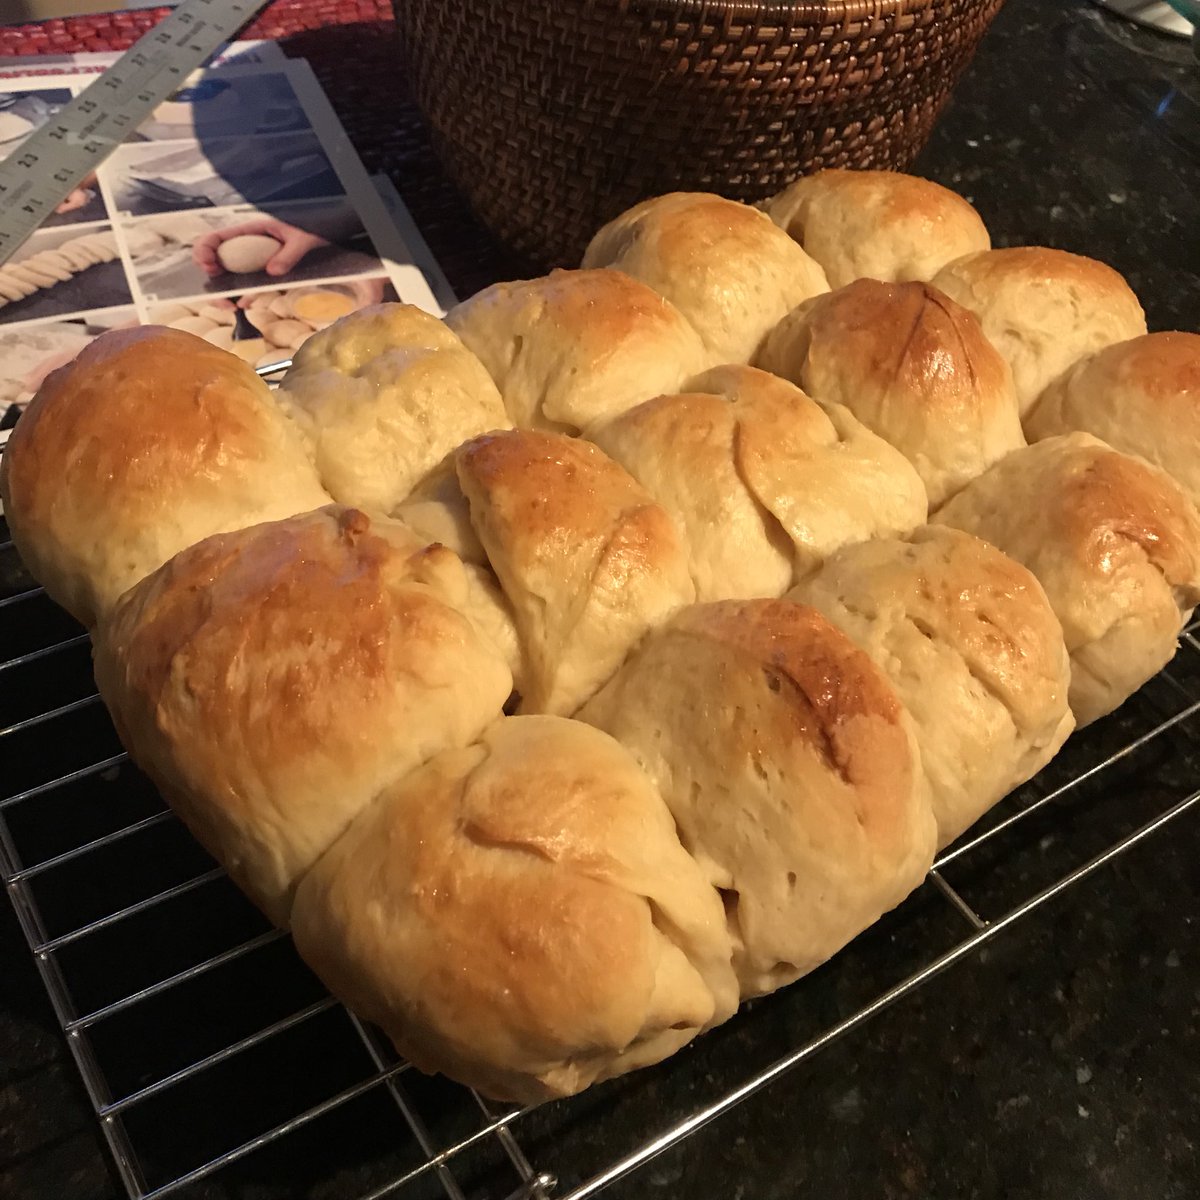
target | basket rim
[{"x": 803, "y": 12}]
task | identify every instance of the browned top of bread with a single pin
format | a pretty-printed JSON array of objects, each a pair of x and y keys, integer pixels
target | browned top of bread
[
  {"x": 913, "y": 366},
  {"x": 273, "y": 680},
  {"x": 1141, "y": 396},
  {"x": 877, "y": 224},
  {"x": 575, "y": 347},
  {"x": 790, "y": 768},
  {"x": 724, "y": 265},
  {"x": 521, "y": 915},
  {"x": 1043, "y": 309},
  {"x": 150, "y": 440},
  {"x": 586, "y": 557}
]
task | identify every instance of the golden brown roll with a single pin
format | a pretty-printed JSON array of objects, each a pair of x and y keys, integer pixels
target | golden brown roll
[
  {"x": 790, "y": 768},
  {"x": 150, "y": 440},
  {"x": 877, "y": 224},
  {"x": 724, "y": 265},
  {"x": 1141, "y": 397},
  {"x": 520, "y": 914},
  {"x": 575, "y": 347},
  {"x": 1114, "y": 542},
  {"x": 272, "y": 681},
  {"x": 437, "y": 511},
  {"x": 972, "y": 647},
  {"x": 589, "y": 562},
  {"x": 1043, "y": 309},
  {"x": 383, "y": 395},
  {"x": 913, "y": 367},
  {"x": 758, "y": 477}
]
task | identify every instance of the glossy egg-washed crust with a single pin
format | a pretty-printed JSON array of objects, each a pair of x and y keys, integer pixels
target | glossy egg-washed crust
[{"x": 312, "y": 610}]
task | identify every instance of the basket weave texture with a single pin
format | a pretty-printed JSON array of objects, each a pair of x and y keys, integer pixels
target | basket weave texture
[{"x": 555, "y": 115}]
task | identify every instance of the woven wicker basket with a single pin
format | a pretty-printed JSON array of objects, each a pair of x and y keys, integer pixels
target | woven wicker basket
[{"x": 554, "y": 115}]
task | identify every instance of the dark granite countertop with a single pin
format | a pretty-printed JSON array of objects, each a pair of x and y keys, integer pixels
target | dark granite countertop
[{"x": 1056, "y": 1063}]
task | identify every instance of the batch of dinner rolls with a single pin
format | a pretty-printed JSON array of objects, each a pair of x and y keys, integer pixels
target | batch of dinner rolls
[{"x": 567, "y": 671}]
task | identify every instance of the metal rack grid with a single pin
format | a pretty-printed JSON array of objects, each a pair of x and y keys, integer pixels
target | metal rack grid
[{"x": 204, "y": 1044}]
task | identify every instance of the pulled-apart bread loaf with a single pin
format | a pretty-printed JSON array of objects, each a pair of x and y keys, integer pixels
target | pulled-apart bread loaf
[
  {"x": 727, "y": 267},
  {"x": 790, "y": 768},
  {"x": 1114, "y": 542},
  {"x": 913, "y": 367},
  {"x": 531, "y": 903},
  {"x": 150, "y": 440},
  {"x": 382, "y": 397},
  {"x": 1043, "y": 309},
  {"x": 576, "y": 347},
  {"x": 755, "y": 474},
  {"x": 1141, "y": 397},
  {"x": 521, "y": 915},
  {"x": 877, "y": 224},
  {"x": 272, "y": 681},
  {"x": 972, "y": 647}
]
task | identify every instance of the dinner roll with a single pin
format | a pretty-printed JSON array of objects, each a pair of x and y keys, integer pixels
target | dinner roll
[
  {"x": 877, "y": 224},
  {"x": 755, "y": 474},
  {"x": 437, "y": 511},
  {"x": 272, "y": 681},
  {"x": 724, "y": 265},
  {"x": 790, "y": 768},
  {"x": 973, "y": 649},
  {"x": 150, "y": 440},
  {"x": 912, "y": 366},
  {"x": 575, "y": 347},
  {"x": 520, "y": 914},
  {"x": 1141, "y": 397},
  {"x": 1113, "y": 541},
  {"x": 586, "y": 558},
  {"x": 1043, "y": 309},
  {"x": 383, "y": 395}
]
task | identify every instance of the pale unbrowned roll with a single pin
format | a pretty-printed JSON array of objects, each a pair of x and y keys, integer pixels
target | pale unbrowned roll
[
  {"x": 520, "y": 915},
  {"x": 1141, "y": 397},
  {"x": 877, "y": 224},
  {"x": 1114, "y": 542},
  {"x": 1043, "y": 309},
  {"x": 972, "y": 647},
  {"x": 272, "y": 681},
  {"x": 790, "y": 768},
  {"x": 758, "y": 477},
  {"x": 912, "y": 366},
  {"x": 383, "y": 395},
  {"x": 150, "y": 440},
  {"x": 727, "y": 267},
  {"x": 589, "y": 562},
  {"x": 576, "y": 347}
]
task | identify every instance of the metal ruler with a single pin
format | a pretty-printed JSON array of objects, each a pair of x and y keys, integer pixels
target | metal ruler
[{"x": 38, "y": 176}]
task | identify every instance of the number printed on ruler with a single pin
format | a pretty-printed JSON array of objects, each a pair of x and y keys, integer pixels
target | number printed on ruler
[{"x": 55, "y": 157}]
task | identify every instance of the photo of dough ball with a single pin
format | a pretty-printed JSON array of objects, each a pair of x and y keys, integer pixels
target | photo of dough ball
[
  {"x": 266, "y": 327},
  {"x": 62, "y": 271},
  {"x": 223, "y": 250},
  {"x": 247, "y": 252}
]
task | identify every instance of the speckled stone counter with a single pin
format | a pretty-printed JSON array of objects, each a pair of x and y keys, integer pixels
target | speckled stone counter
[{"x": 1058, "y": 1062}]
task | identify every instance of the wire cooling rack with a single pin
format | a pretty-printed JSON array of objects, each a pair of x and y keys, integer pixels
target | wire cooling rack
[{"x": 214, "y": 1059}]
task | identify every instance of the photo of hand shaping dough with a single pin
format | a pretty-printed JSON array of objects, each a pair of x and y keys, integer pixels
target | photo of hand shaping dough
[
  {"x": 153, "y": 177},
  {"x": 264, "y": 328},
  {"x": 60, "y": 271},
  {"x": 29, "y": 353},
  {"x": 20, "y": 114},
  {"x": 223, "y": 251}
]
